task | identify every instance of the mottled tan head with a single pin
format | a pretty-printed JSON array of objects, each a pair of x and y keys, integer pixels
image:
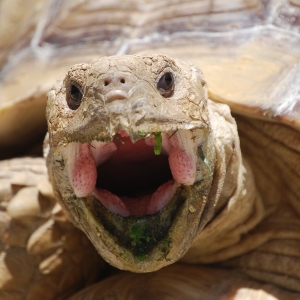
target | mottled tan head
[
  {"x": 131, "y": 157},
  {"x": 126, "y": 92}
]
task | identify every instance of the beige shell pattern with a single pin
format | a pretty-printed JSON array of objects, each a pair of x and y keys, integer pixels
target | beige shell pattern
[{"x": 249, "y": 53}]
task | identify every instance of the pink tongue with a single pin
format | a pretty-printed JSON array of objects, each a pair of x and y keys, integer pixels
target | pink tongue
[
  {"x": 148, "y": 204},
  {"x": 112, "y": 202},
  {"x": 84, "y": 172},
  {"x": 162, "y": 196}
]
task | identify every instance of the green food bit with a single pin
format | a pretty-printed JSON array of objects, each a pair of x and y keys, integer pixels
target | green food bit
[
  {"x": 205, "y": 160},
  {"x": 141, "y": 133},
  {"x": 158, "y": 143},
  {"x": 141, "y": 256},
  {"x": 140, "y": 234}
]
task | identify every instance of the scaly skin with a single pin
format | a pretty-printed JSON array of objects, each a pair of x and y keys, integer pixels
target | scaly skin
[
  {"x": 219, "y": 218},
  {"x": 46, "y": 265},
  {"x": 42, "y": 255},
  {"x": 222, "y": 186}
]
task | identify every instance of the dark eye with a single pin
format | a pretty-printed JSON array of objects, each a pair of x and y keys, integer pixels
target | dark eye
[
  {"x": 74, "y": 96},
  {"x": 166, "y": 85}
]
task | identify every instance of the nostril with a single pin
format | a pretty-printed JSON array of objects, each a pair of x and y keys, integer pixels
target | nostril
[
  {"x": 106, "y": 82},
  {"x": 122, "y": 80}
]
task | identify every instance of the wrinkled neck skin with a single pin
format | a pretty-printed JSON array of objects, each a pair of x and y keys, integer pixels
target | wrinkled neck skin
[
  {"x": 234, "y": 202},
  {"x": 150, "y": 176}
]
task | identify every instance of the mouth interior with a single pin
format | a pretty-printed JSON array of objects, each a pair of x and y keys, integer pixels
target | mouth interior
[
  {"x": 133, "y": 180},
  {"x": 133, "y": 171}
]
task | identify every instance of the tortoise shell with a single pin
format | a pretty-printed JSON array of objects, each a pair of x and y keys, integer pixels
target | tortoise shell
[{"x": 249, "y": 53}]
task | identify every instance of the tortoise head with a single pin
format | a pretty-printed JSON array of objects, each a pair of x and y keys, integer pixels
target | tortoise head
[{"x": 131, "y": 156}]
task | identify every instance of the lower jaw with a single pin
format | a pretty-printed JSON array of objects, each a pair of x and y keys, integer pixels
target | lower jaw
[
  {"x": 138, "y": 233},
  {"x": 139, "y": 243}
]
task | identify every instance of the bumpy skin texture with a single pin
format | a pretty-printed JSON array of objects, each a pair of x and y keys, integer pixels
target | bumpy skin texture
[
  {"x": 232, "y": 194},
  {"x": 42, "y": 255},
  {"x": 252, "y": 63},
  {"x": 237, "y": 227},
  {"x": 227, "y": 222},
  {"x": 21, "y": 277},
  {"x": 146, "y": 110}
]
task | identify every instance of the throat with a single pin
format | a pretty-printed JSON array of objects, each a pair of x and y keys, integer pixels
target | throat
[
  {"x": 129, "y": 179},
  {"x": 134, "y": 173}
]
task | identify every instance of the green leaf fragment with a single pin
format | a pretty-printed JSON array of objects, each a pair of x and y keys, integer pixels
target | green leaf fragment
[
  {"x": 140, "y": 234},
  {"x": 141, "y": 133},
  {"x": 158, "y": 143},
  {"x": 205, "y": 160},
  {"x": 136, "y": 234},
  {"x": 141, "y": 256}
]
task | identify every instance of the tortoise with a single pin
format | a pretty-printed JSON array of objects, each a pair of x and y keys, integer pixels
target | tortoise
[{"x": 230, "y": 219}]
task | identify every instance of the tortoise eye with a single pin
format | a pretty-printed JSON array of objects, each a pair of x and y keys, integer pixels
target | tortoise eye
[
  {"x": 74, "y": 96},
  {"x": 165, "y": 85}
]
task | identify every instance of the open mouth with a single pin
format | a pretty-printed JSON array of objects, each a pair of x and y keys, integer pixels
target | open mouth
[
  {"x": 133, "y": 198},
  {"x": 133, "y": 179}
]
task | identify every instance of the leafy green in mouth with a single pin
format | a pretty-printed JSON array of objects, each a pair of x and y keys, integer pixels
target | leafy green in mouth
[
  {"x": 143, "y": 134},
  {"x": 158, "y": 143},
  {"x": 157, "y": 137},
  {"x": 140, "y": 234}
]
